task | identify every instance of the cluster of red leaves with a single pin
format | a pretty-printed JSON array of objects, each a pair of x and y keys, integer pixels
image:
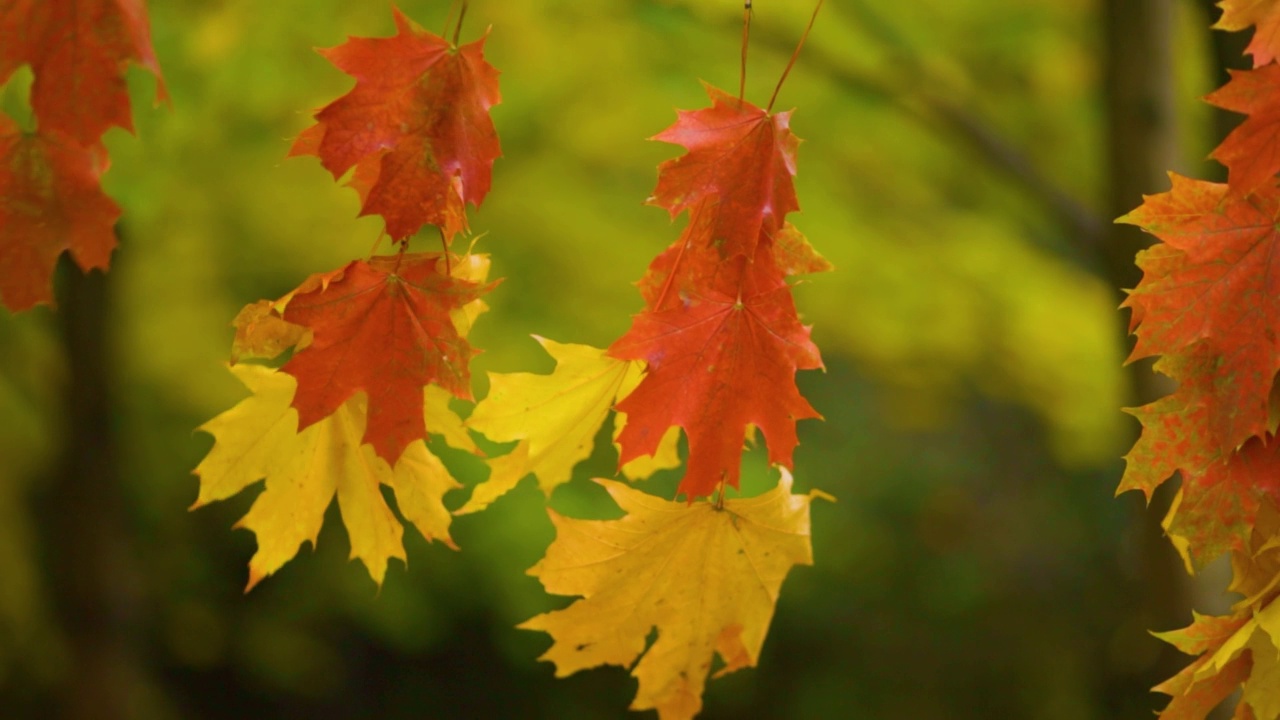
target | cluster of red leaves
[
  {"x": 1207, "y": 306},
  {"x": 719, "y": 332},
  {"x": 51, "y": 199},
  {"x": 416, "y": 129}
]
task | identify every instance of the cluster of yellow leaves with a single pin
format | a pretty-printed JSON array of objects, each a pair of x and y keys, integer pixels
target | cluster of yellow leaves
[
  {"x": 705, "y": 575},
  {"x": 258, "y": 439},
  {"x": 1240, "y": 650}
]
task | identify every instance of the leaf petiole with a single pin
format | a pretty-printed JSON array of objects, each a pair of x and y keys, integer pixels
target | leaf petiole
[
  {"x": 794, "y": 55},
  {"x": 746, "y": 35}
]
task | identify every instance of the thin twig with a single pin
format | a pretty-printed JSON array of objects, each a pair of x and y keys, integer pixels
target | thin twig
[
  {"x": 970, "y": 129},
  {"x": 791, "y": 63}
]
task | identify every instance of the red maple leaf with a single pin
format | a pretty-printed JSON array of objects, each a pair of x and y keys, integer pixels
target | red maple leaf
[
  {"x": 1252, "y": 151},
  {"x": 1213, "y": 281},
  {"x": 1220, "y": 502},
  {"x": 1221, "y": 486},
  {"x": 722, "y": 346},
  {"x": 50, "y": 201},
  {"x": 740, "y": 157},
  {"x": 78, "y": 51},
  {"x": 416, "y": 128},
  {"x": 381, "y": 327}
]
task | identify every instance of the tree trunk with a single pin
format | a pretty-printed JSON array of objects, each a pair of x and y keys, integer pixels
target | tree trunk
[
  {"x": 83, "y": 517},
  {"x": 1142, "y": 147}
]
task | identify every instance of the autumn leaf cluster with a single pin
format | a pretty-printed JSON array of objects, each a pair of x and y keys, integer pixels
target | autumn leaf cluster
[
  {"x": 351, "y": 373},
  {"x": 1207, "y": 307},
  {"x": 376, "y": 348},
  {"x": 51, "y": 197},
  {"x": 713, "y": 354}
]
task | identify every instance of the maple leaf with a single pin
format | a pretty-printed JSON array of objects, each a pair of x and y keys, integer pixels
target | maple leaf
[
  {"x": 1256, "y": 569},
  {"x": 721, "y": 356},
  {"x": 707, "y": 578},
  {"x": 78, "y": 51},
  {"x": 1254, "y": 645},
  {"x": 50, "y": 201},
  {"x": 741, "y": 160},
  {"x": 384, "y": 327},
  {"x": 262, "y": 333},
  {"x": 1219, "y": 498},
  {"x": 1213, "y": 282},
  {"x": 1215, "y": 507},
  {"x": 554, "y": 417},
  {"x": 1195, "y": 693},
  {"x": 304, "y": 470},
  {"x": 416, "y": 128},
  {"x": 1252, "y": 151},
  {"x": 1265, "y": 14},
  {"x": 795, "y": 256}
]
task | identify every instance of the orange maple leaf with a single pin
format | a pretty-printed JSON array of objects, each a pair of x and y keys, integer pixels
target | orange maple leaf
[
  {"x": 1213, "y": 281},
  {"x": 1252, "y": 151},
  {"x": 1265, "y": 14},
  {"x": 78, "y": 51},
  {"x": 50, "y": 201},
  {"x": 382, "y": 327},
  {"x": 1221, "y": 487},
  {"x": 416, "y": 128},
  {"x": 740, "y": 158},
  {"x": 722, "y": 352}
]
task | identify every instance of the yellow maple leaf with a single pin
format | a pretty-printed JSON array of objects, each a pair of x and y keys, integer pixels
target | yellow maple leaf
[
  {"x": 1201, "y": 686},
  {"x": 1257, "y": 672},
  {"x": 706, "y": 577},
  {"x": 555, "y": 419},
  {"x": 258, "y": 439}
]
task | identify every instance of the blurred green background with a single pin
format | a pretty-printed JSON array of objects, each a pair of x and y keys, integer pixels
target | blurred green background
[{"x": 961, "y": 165}]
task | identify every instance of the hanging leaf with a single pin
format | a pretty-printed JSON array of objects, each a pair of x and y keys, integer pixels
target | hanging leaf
[
  {"x": 705, "y": 577},
  {"x": 416, "y": 128}
]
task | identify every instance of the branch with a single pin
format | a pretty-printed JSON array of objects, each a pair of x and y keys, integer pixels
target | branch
[{"x": 969, "y": 129}]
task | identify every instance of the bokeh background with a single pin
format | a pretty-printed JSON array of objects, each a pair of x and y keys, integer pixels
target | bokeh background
[{"x": 961, "y": 166}]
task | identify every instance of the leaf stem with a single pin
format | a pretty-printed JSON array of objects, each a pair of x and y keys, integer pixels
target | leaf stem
[
  {"x": 444, "y": 247},
  {"x": 448, "y": 18},
  {"x": 404, "y": 247},
  {"x": 457, "y": 30},
  {"x": 377, "y": 243},
  {"x": 746, "y": 36},
  {"x": 794, "y": 55}
]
